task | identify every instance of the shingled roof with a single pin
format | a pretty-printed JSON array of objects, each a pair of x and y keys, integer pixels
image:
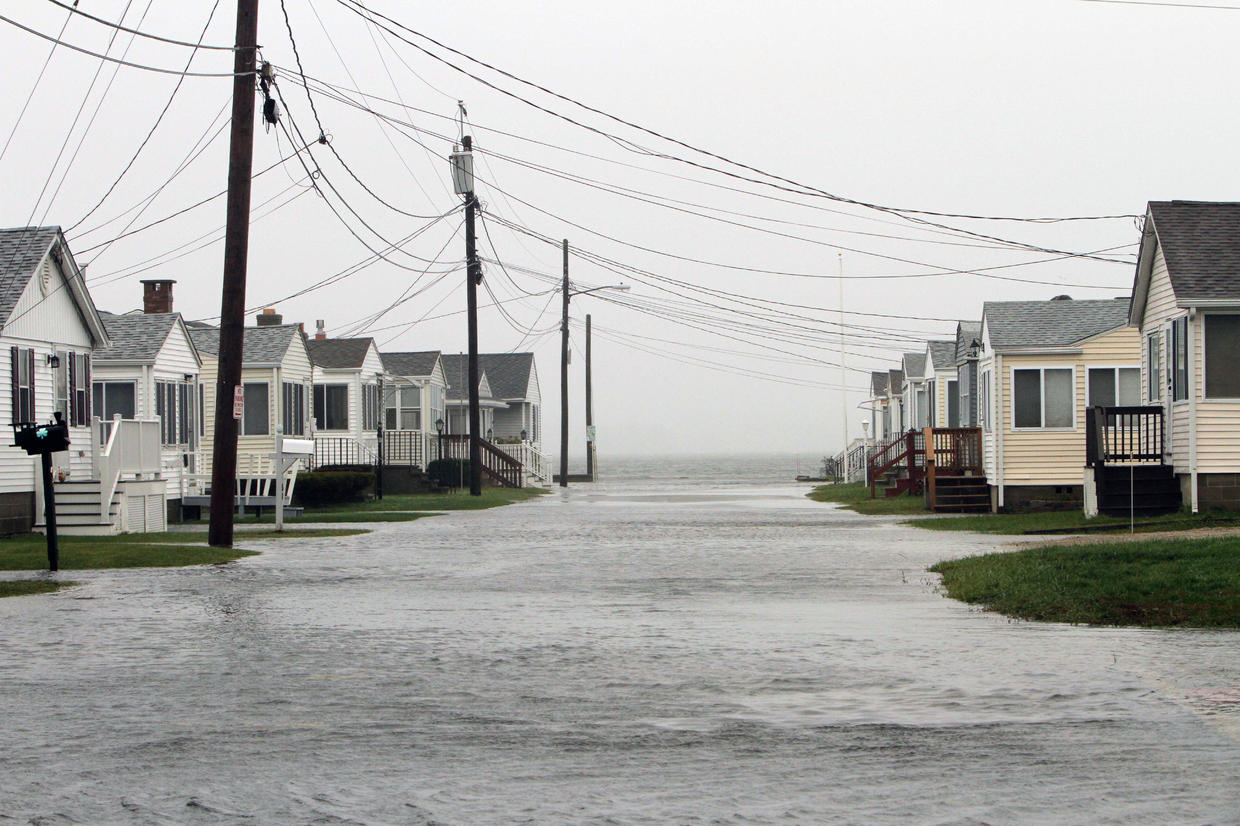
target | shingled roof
[
  {"x": 966, "y": 333},
  {"x": 914, "y": 365},
  {"x": 508, "y": 374},
  {"x": 135, "y": 336},
  {"x": 263, "y": 345},
  {"x": 943, "y": 354},
  {"x": 1201, "y": 242},
  {"x": 410, "y": 364},
  {"x": 1049, "y": 324},
  {"x": 22, "y": 249},
  {"x": 456, "y": 368},
  {"x": 878, "y": 384},
  {"x": 338, "y": 353},
  {"x": 895, "y": 382}
]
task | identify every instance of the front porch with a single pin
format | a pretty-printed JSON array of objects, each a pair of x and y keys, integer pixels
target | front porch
[
  {"x": 1126, "y": 473},
  {"x": 943, "y": 464}
]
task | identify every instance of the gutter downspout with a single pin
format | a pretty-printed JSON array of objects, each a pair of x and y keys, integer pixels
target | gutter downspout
[
  {"x": 1192, "y": 405},
  {"x": 998, "y": 389}
]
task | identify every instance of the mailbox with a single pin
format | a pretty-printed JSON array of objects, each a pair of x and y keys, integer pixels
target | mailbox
[{"x": 37, "y": 439}]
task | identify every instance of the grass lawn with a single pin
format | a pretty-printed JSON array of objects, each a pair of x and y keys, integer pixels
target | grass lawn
[
  {"x": 856, "y": 497},
  {"x": 1155, "y": 583},
  {"x": 491, "y": 497},
  {"x": 1067, "y": 521},
  {"x": 29, "y": 553},
  {"x": 27, "y": 587}
]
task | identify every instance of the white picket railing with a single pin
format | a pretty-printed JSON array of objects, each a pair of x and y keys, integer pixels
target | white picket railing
[
  {"x": 123, "y": 447},
  {"x": 531, "y": 458}
]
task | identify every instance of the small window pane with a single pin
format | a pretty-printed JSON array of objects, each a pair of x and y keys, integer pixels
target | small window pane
[
  {"x": 255, "y": 417},
  {"x": 1129, "y": 386},
  {"x": 1102, "y": 387},
  {"x": 1179, "y": 329},
  {"x": 1222, "y": 356},
  {"x": 1059, "y": 401},
  {"x": 1154, "y": 365},
  {"x": 1027, "y": 398},
  {"x": 337, "y": 407}
]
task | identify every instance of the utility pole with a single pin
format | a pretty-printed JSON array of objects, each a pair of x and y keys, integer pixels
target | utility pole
[
  {"x": 589, "y": 409},
  {"x": 232, "y": 301},
  {"x": 564, "y": 378},
  {"x": 473, "y": 278},
  {"x": 843, "y": 379}
]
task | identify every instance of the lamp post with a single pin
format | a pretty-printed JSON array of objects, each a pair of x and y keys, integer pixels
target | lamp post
[
  {"x": 439, "y": 429},
  {"x": 568, "y": 294}
]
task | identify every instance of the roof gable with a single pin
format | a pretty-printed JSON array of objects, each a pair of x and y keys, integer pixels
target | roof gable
[
  {"x": 509, "y": 374},
  {"x": 262, "y": 345},
  {"x": 914, "y": 366},
  {"x": 339, "y": 353},
  {"x": 136, "y": 336},
  {"x": 942, "y": 355},
  {"x": 1050, "y": 324},
  {"x": 1200, "y": 241},
  {"x": 411, "y": 364},
  {"x": 22, "y": 252}
]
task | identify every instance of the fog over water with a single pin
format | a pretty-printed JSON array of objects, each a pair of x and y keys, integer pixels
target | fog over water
[{"x": 690, "y": 641}]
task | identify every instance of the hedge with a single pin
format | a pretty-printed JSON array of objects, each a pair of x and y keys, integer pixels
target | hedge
[{"x": 331, "y": 487}]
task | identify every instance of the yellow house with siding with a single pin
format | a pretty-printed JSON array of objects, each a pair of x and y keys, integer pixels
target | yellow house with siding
[
  {"x": 1041, "y": 364},
  {"x": 1186, "y": 305}
]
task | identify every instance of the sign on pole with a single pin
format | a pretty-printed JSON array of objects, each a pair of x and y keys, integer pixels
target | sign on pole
[{"x": 238, "y": 402}]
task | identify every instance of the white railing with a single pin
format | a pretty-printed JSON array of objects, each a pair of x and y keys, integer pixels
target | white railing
[
  {"x": 123, "y": 447},
  {"x": 531, "y": 458}
]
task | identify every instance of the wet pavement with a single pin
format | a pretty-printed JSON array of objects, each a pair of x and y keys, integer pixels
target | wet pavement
[{"x": 625, "y": 654}]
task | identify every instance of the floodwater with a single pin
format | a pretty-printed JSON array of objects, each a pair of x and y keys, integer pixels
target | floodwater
[{"x": 661, "y": 648}]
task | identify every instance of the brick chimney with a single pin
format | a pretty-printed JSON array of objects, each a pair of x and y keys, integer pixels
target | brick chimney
[
  {"x": 320, "y": 331},
  {"x": 269, "y": 318},
  {"x": 157, "y": 295}
]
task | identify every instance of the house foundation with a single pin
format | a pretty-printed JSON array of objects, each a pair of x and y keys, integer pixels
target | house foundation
[
  {"x": 16, "y": 512},
  {"x": 1032, "y": 498}
]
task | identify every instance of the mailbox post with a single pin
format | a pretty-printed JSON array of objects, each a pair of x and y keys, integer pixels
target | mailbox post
[
  {"x": 287, "y": 452},
  {"x": 43, "y": 440}
]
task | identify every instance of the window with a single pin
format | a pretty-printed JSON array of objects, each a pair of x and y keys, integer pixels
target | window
[
  {"x": 1177, "y": 367},
  {"x": 185, "y": 403},
  {"x": 1153, "y": 363},
  {"x": 921, "y": 416},
  {"x": 1222, "y": 333},
  {"x": 331, "y": 406},
  {"x": 79, "y": 388},
  {"x": 202, "y": 410},
  {"x": 114, "y": 398},
  {"x": 404, "y": 411},
  {"x": 21, "y": 365},
  {"x": 953, "y": 403},
  {"x": 62, "y": 386},
  {"x": 1043, "y": 398},
  {"x": 370, "y": 407},
  {"x": 983, "y": 400},
  {"x": 255, "y": 420},
  {"x": 293, "y": 409},
  {"x": 166, "y": 410},
  {"x": 1114, "y": 386}
]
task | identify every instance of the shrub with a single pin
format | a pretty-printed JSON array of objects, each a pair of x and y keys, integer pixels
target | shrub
[
  {"x": 449, "y": 473},
  {"x": 331, "y": 487}
]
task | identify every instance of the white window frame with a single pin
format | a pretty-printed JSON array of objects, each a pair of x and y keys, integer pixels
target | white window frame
[
  {"x": 1041, "y": 368},
  {"x": 1205, "y": 397},
  {"x": 1170, "y": 348},
  {"x": 985, "y": 401},
  {"x": 1116, "y": 368}
]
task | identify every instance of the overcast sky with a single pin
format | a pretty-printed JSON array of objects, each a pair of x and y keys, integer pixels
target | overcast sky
[{"x": 1019, "y": 108}]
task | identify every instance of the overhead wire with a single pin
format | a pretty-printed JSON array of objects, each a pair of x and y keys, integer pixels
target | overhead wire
[
  {"x": 35, "y": 86},
  {"x": 73, "y": 9}
]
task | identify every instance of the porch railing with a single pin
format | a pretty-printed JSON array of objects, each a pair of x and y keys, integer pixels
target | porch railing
[
  {"x": 956, "y": 450},
  {"x": 498, "y": 465},
  {"x": 406, "y": 448},
  {"x": 123, "y": 446},
  {"x": 1131, "y": 435},
  {"x": 343, "y": 450},
  {"x": 530, "y": 457},
  {"x": 908, "y": 450}
]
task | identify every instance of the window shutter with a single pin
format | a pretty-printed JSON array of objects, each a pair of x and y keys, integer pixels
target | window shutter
[
  {"x": 15, "y": 369},
  {"x": 87, "y": 394},
  {"x": 33, "y": 403},
  {"x": 73, "y": 406}
]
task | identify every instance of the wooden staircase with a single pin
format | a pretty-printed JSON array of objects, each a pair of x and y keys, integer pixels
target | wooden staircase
[
  {"x": 496, "y": 466},
  {"x": 79, "y": 509},
  {"x": 955, "y": 481},
  {"x": 1124, "y": 446}
]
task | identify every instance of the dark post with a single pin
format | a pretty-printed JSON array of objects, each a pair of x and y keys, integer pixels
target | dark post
[
  {"x": 564, "y": 378},
  {"x": 473, "y": 278},
  {"x": 378, "y": 444},
  {"x": 49, "y": 514},
  {"x": 589, "y": 408},
  {"x": 232, "y": 302}
]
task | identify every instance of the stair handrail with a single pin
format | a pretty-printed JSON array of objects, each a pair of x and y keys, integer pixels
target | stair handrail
[
  {"x": 887, "y": 457},
  {"x": 108, "y": 467}
]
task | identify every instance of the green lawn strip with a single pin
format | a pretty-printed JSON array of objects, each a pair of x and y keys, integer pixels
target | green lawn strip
[
  {"x": 1152, "y": 583},
  {"x": 855, "y": 496},
  {"x": 28, "y": 587},
  {"x": 322, "y": 517},
  {"x": 1070, "y": 521},
  {"x": 29, "y": 553},
  {"x": 459, "y": 500}
]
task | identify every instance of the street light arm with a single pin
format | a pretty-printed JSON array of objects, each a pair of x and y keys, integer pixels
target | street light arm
[{"x": 623, "y": 287}]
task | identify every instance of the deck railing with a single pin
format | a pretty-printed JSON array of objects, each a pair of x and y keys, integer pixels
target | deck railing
[
  {"x": 406, "y": 447},
  {"x": 1131, "y": 435},
  {"x": 908, "y": 449},
  {"x": 496, "y": 464},
  {"x": 956, "y": 450},
  {"x": 343, "y": 451}
]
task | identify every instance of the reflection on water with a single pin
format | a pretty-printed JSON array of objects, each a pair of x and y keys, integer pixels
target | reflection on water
[{"x": 663, "y": 647}]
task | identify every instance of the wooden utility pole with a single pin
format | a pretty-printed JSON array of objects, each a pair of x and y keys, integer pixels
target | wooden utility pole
[
  {"x": 564, "y": 378},
  {"x": 473, "y": 277},
  {"x": 236, "y": 250},
  {"x": 589, "y": 409}
]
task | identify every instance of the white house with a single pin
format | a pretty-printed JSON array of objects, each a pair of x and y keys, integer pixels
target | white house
[
  {"x": 276, "y": 380},
  {"x": 1041, "y": 364},
  {"x": 456, "y": 368},
  {"x": 348, "y": 374},
  {"x": 1186, "y": 305},
  {"x": 942, "y": 394},
  {"x": 148, "y": 372},
  {"x": 51, "y": 328},
  {"x": 414, "y": 401},
  {"x": 968, "y": 345},
  {"x": 916, "y": 393}
]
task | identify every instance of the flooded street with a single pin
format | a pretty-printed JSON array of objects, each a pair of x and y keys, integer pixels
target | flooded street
[{"x": 634, "y": 652}]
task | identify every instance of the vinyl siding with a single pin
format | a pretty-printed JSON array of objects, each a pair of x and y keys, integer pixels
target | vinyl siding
[
  {"x": 1160, "y": 307},
  {"x": 1056, "y": 457}
]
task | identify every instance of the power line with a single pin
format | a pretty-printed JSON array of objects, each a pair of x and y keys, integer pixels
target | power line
[
  {"x": 1168, "y": 5},
  {"x": 35, "y": 87},
  {"x": 199, "y": 45},
  {"x": 130, "y": 64}
]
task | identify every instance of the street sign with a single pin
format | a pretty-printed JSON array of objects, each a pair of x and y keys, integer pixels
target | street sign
[{"x": 238, "y": 402}]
